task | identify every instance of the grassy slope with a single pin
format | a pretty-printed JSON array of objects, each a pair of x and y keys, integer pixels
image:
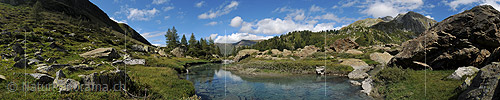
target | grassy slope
[
  {"x": 160, "y": 79},
  {"x": 396, "y": 83}
]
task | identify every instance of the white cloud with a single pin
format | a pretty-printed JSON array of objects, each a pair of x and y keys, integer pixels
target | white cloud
[
  {"x": 144, "y": 14},
  {"x": 212, "y": 36},
  {"x": 168, "y": 8},
  {"x": 349, "y": 4},
  {"x": 429, "y": 16},
  {"x": 235, "y": 37},
  {"x": 166, "y": 17},
  {"x": 152, "y": 34},
  {"x": 340, "y": 27},
  {"x": 456, "y": 3},
  {"x": 380, "y": 8},
  {"x": 212, "y": 23},
  {"x": 332, "y": 17},
  {"x": 222, "y": 10},
  {"x": 159, "y": 45},
  {"x": 295, "y": 14},
  {"x": 122, "y": 21},
  {"x": 279, "y": 26},
  {"x": 160, "y": 1},
  {"x": 236, "y": 21},
  {"x": 199, "y": 4},
  {"x": 315, "y": 8}
]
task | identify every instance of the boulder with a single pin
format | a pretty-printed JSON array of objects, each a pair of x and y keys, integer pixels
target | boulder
[
  {"x": 33, "y": 61},
  {"x": 464, "y": 39},
  {"x": 162, "y": 53},
  {"x": 18, "y": 49},
  {"x": 139, "y": 48},
  {"x": 101, "y": 53},
  {"x": 320, "y": 70},
  {"x": 276, "y": 52},
  {"x": 79, "y": 67},
  {"x": 382, "y": 58},
  {"x": 60, "y": 74},
  {"x": 306, "y": 51},
  {"x": 66, "y": 85},
  {"x": 135, "y": 62},
  {"x": 248, "y": 51},
  {"x": 462, "y": 71},
  {"x": 287, "y": 52},
  {"x": 354, "y": 52},
  {"x": 42, "y": 78},
  {"x": 345, "y": 44},
  {"x": 238, "y": 58},
  {"x": 43, "y": 68},
  {"x": 485, "y": 85},
  {"x": 360, "y": 68},
  {"x": 178, "y": 52},
  {"x": 367, "y": 86},
  {"x": 355, "y": 83},
  {"x": 22, "y": 63},
  {"x": 2, "y": 78}
]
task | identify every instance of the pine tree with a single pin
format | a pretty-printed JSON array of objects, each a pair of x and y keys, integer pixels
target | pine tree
[
  {"x": 192, "y": 41},
  {"x": 172, "y": 38},
  {"x": 184, "y": 41}
]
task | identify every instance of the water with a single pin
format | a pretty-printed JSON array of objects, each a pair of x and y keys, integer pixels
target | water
[{"x": 213, "y": 83}]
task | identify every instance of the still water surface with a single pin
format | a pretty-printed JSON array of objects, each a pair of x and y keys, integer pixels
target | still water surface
[{"x": 214, "y": 83}]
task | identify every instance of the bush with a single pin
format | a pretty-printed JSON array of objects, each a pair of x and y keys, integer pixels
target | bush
[{"x": 391, "y": 75}]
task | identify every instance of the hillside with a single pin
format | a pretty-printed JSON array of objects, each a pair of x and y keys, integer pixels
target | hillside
[
  {"x": 68, "y": 42},
  {"x": 365, "y": 32},
  {"x": 228, "y": 47}
]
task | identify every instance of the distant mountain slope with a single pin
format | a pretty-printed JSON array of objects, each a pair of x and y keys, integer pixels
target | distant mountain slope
[
  {"x": 228, "y": 47},
  {"x": 410, "y": 21},
  {"x": 84, "y": 10}
]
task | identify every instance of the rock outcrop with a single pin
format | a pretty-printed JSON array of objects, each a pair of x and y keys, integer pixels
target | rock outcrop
[
  {"x": 101, "y": 53},
  {"x": 306, "y": 51},
  {"x": 354, "y": 52},
  {"x": 112, "y": 79},
  {"x": 410, "y": 21},
  {"x": 463, "y": 71},
  {"x": 345, "y": 44},
  {"x": 178, "y": 52},
  {"x": 465, "y": 39},
  {"x": 382, "y": 58},
  {"x": 42, "y": 78},
  {"x": 360, "y": 68},
  {"x": 64, "y": 84},
  {"x": 485, "y": 86}
]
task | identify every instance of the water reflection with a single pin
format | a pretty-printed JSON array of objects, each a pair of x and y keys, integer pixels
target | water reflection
[{"x": 211, "y": 82}]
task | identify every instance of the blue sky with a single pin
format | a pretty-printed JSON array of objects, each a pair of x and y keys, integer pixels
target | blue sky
[{"x": 230, "y": 21}]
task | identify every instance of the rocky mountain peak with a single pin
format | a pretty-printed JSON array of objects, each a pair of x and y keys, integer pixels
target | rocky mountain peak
[
  {"x": 470, "y": 38},
  {"x": 410, "y": 21}
]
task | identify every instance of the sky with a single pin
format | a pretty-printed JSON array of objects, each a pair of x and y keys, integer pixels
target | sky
[{"x": 229, "y": 21}]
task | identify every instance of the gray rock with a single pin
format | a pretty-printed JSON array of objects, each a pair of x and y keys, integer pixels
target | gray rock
[
  {"x": 367, "y": 86},
  {"x": 18, "y": 49},
  {"x": 485, "y": 86},
  {"x": 2, "y": 78},
  {"x": 135, "y": 62},
  {"x": 462, "y": 71},
  {"x": 21, "y": 63},
  {"x": 42, "y": 78},
  {"x": 60, "y": 74},
  {"x": 33, "y": 61},
  {"x": 355, "y": 83},
  {"x": 178, "y": 52},
  {"x": 382, "y": 58},
  {"x": 43, "y": 68},
  {"x": 139, "y": 48},
  {"x": 66, "y": 85},
  {"x": 357, "y": 74},
  {"x": 320, "y": 70},
  {"x": 464, "y": 39},
  {"x": 101, "y": 53},
  {"x": 238, "y": 58},
  {"x": 306, "y": 51},
  {"x": 360, "y": 68},
  {"x": 79, "y": 67}
]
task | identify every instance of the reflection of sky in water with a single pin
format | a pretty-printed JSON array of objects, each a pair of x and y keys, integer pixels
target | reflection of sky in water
[
  {"x": 229, "y": 76},
  {"x": 219, "y": 84}
]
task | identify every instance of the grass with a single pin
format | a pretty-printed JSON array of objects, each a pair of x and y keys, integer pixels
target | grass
[
  {"x": 303, "y": 66},
  {"x": 396, "y": 84},
  {"x": 162, "y": 81}
]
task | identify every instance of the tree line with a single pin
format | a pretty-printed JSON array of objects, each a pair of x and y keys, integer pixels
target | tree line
[{"x": 202, "y": 48}]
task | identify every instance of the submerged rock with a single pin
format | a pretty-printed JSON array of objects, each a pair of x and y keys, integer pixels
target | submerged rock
[{"x": 320, "y": 70}]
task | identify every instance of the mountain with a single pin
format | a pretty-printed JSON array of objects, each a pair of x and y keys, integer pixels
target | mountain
[
  {"x": 82, "y": 10},
  {"x": 470, "y": 38},
  {"x": 410, "y": 21},
  {"x": 228, "y": 47}
]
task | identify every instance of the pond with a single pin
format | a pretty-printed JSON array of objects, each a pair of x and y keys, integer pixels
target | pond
[{"x": 213, "y": 83}]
